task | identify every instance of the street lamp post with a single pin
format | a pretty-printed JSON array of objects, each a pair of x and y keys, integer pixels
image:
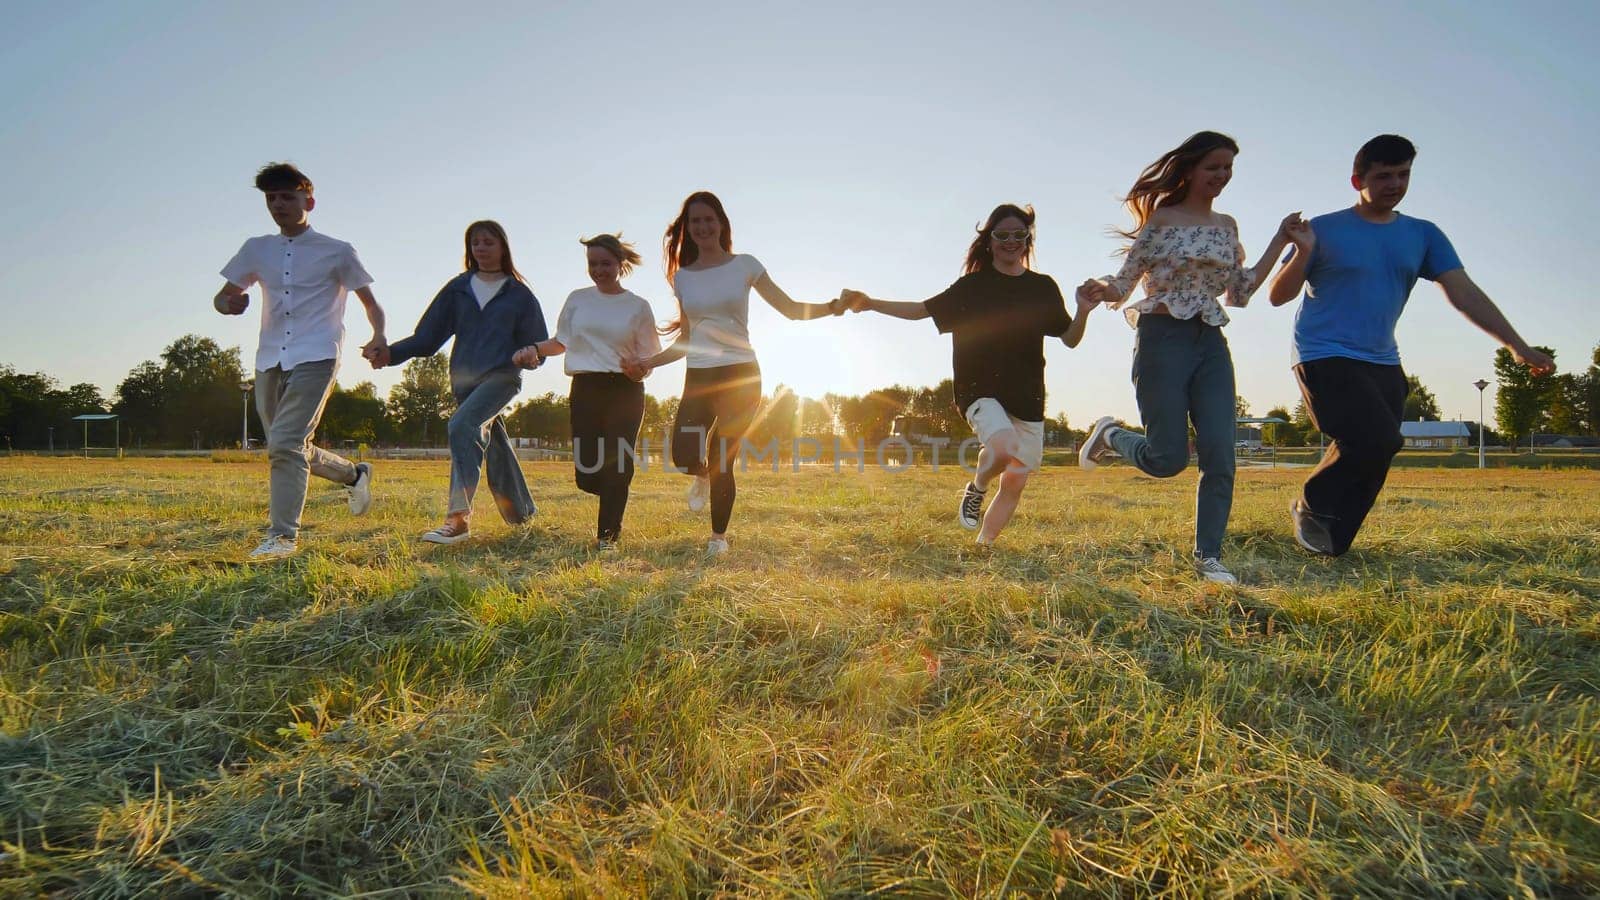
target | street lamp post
[
  {"x": 1480, "y": 384},
  {"x": 244, "y": 386}
]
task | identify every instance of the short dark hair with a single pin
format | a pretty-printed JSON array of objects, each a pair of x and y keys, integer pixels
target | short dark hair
[
  {"x": 281, "y": 176},
  {"x": 1384, "y": 150}
]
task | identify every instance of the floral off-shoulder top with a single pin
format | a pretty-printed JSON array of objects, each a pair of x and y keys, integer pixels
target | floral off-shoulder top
[{"x": 1185, "y": 268}]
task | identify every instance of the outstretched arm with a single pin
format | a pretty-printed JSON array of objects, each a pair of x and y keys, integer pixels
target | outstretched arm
[
  {"x": 374, "y": 318},
  {"x": 1465, "y": 295},
  {"x": 900, "y": 309},
  {"x": 790, "y": 308}
]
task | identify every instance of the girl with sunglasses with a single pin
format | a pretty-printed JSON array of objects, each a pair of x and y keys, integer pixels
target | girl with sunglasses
[
  {"x": 998, "y": 315},
  {"x": 722, "y": 386},
  {"x": 1187, "y": 255}
]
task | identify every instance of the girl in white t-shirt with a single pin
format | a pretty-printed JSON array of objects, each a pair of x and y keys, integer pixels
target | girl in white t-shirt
[
  {"x": 722, "y": 387},
  {"x": 601, "y": 329}
]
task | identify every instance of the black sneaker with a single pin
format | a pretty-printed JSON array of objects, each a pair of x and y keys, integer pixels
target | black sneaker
[
  {"x": 1309, "y": 530},
  {"x": 971, "y": 507}
]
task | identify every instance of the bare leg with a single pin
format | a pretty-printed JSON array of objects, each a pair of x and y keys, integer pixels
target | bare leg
[{"x": 1012, "y": 481}]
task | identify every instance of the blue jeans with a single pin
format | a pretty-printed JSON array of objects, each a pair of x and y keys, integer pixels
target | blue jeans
[
  {"x": 477, "y": 434},
  {"x": 1182, "y": 371}
]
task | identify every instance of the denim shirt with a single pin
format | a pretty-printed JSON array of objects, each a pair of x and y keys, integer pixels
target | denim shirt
[{"x": 485, "y": 337}]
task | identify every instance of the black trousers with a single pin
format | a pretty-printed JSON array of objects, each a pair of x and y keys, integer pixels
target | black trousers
[
  {"x": 606, "y": 409},
  {"x": 1359, "y": 405},
  {"x": 718, "y": 407}
]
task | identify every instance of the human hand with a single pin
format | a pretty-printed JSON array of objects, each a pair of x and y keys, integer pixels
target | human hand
[
  {"x": 1536, "y": 360},
  {"x": 377, "y": 356},
  {"x": 231, "y": 304},
  {"x": 1090, "y": 294},
  {"x": 526, "y": 358},
  {"x": 1298, "y": 231},
  {"x": 635, "y": 369},
  {"x": 855, "y": 300}
]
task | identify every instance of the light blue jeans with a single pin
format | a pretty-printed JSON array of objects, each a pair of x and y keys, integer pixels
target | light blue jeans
[
  {"x": 1182, "y": 372},
  {"x": 290, "y": 405},
  {"x": 478, "y": 435}
]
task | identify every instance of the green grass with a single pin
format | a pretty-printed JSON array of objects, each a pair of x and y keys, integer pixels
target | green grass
[{"x": 854, "y": 700}]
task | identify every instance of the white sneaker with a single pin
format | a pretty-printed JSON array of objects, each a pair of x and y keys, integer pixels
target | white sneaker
[
  {"x": 699, "y": 492},
  {"x": 1096, "y": 446},
  {"x": 1212, "y": 569},
  {"x": 361, "y": 491},
  {"x": 716, "y": 546},
  {"x": 276, "y": 546}
]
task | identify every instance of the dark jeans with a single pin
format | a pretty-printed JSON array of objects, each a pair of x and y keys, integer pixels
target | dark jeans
[
  {"x": 606, "y": 409},
  {"x": 718, "y": 407},
  {"x": 1359, "y": 405},
  {"x": 1183, "y": 372}
]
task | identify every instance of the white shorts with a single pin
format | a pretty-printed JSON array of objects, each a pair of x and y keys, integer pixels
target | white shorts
[{"x": 988, "y": 418}]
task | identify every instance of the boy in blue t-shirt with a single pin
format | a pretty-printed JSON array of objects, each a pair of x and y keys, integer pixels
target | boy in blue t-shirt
[{"x": 1358, "y": 267}]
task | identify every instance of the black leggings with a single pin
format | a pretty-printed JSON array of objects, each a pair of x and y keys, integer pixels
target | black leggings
[
  {"x": 606, "y": 409},
  {"x": 718, "y": 407}
]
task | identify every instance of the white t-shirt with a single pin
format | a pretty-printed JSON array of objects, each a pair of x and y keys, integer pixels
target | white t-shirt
[
  {"x": 485, "y": 288},
  {"x": 716, "y": 302},
  {"x": 599, "y": 330}
]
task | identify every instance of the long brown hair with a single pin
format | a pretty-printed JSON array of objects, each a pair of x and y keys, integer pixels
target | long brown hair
[
  {"x": 980, "y": 255},
  {"x": 499, "y": 233},
  {"x": 679, "y": 250},
  {"x": 1165, "y": 182}
]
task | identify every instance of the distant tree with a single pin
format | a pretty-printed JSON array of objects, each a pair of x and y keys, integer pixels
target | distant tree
[
  {"x": 816, "y": 420},
  {"x": 1568, "y": 402},
  {"x": 191, "y": 395},
  {"x": 658, "y": 418},
  {"x": 1285, "y": 435},
  {"x": 1303, "y": 424},
  {"x": 1241, "y": 406},
  {"x": 1522, "y": 397},
  {"x": 547, "y": 417},
  {"x": 31, "y": 405},
  {"x": 1421, "y": 405},
  {"x": 421, "y": 403},
  {"x": 354, "y": 415},
  {"x": 1591, "y": 395}
]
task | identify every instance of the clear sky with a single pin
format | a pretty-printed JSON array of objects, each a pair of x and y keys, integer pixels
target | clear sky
[{"x": 854, "y": 144}]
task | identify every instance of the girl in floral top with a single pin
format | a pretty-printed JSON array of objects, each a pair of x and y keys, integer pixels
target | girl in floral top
[{"x": 1187, "y": 255}]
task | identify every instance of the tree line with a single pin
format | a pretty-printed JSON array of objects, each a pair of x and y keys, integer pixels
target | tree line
[{"x": 193, "y": 397}]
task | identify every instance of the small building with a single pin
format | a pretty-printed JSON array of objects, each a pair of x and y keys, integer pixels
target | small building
[{"x": 1435, "y": 435}]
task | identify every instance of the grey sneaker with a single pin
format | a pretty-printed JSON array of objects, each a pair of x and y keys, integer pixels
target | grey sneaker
[
  {"x": 276, "y": 546},
  {"x": 1212, "y": 569},
  {"x": 361, "y": 491},
  {"x": 1097, "y": 445},
  {"x": 716, "y": 546},
  {"x": 971, "y": 511},
  {"x": 1310, "y": 532}
]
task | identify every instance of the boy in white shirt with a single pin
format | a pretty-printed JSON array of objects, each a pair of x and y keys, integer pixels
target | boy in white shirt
[{"x": 304, "y": 277}]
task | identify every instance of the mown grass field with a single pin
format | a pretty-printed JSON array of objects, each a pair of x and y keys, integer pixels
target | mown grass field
[{"x": 854, "y": 700}]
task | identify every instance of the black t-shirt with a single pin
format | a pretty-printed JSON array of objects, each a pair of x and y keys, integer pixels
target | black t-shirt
[{"x": 998, "y": 324}]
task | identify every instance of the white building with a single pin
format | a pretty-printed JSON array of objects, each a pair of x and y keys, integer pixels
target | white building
[{"x": 1435, "y": 435}]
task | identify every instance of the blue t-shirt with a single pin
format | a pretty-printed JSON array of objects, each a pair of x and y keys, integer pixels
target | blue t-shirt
[{"x": 1360, "y": 277}]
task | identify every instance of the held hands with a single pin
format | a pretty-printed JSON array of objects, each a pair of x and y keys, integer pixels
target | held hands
[
  {"x": 376, "y": 351},
  {"x": 854, "y": 300},
  {"x": 527, "y": 358},
  {"x": 635, "y": 368},
  {"x": 1297, "y": 231},
  {"x": 1091, "y": 294},
  {"x": 1536, "y": 360}
]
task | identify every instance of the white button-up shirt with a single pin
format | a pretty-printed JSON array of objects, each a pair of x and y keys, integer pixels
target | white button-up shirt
[{"x": 304, "y": 281}]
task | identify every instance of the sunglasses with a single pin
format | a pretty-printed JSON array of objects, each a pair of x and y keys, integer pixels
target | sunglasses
[{"x": 1009, "y": 236}]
